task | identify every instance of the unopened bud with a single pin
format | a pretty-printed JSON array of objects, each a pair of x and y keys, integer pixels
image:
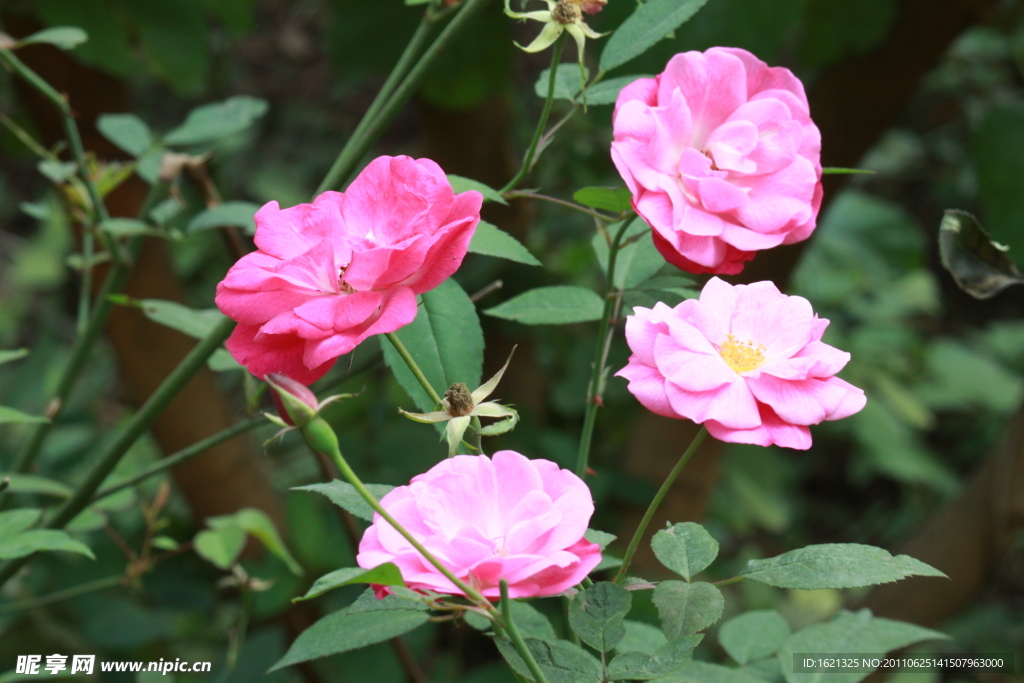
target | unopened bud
[
  {"x": 459, "y": 400},
  {"x": 320, "y": 437},
  {"x": 590, "y": 6},
  {"x": 296, "y": 404}
]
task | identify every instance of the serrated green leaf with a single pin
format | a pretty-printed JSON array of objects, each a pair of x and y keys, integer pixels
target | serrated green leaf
[
  {"x": 835, "y": 565},
  {"x": 218, "y": 120},
  {"x": 220, "y": 546},
  {"x": 489, "y": 240},
  {"x": 614, "y": 199},
  {"x": 641, "y": 637},
  {"x": 685, "y": 548},
  {"x": 705, "y": 672},
  {"x": 686, "y": 608},
  {"x": 607, "y": 92},
  {"x": 668, "y": 658},
  {"x": 234, "y": 214},
  {"x": 460, "y": 184},
  {"x": 40, "y": 540},
  {"x": 445, "y": 340},
  {"x": 979, "y": 265},
  {"x": 369, "y": 602},
  {"x": 601, "y": 538},
  {"x": 596, "y": 615},
  {"x": 753, "y": 635},
  {"x": 531, "y": 622},
  {"x": 12, "y": 416},
  {"x": 386, "y": 574},
  {"x": 127, "y": 131},
  {"x": 637, "y": 262},
  {"x": 849, "y": 633},
  {"x": 559, "y": 661},
  {"x": 567, "y": 82},
  {"x": 345, "y": 496},
  {"x": 648, "y": 24},
  {"x": 64, "y": 37},
  {"x": 558, "y": 305},
  {"x": 148, "y": 167},
  {"x": 196, "y": 323},
  {"x": 344, "y": 631}
]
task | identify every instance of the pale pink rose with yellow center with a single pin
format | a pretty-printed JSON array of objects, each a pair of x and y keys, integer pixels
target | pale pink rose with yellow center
[
  {"x": 746, "y": 361},
  {"x": 721, "y": 156},
  {"x": 488, "y": 519},
  {"x": 327, "y": 275}
]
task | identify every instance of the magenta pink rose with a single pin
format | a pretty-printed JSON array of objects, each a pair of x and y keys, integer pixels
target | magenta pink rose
[
  {"x": 489, "y": 519},
  {"x": 745, "y": 360},
  {"x": 327, "y": 275},
  {"x": 721, "y": 156}
]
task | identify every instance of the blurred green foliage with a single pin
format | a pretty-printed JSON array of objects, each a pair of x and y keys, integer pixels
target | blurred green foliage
[{"x": 943, "y": 374}]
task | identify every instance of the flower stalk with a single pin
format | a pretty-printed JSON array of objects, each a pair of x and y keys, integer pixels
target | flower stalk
[
  {"x": 516, "y": 638},
  {"x": 634, "y": 543},
  {"x": 604, "y": 338}
]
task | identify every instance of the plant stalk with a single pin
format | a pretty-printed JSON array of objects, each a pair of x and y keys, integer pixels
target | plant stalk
[
  {"x": 140, "y": 422},
  {"x": 357, "y": 147},
  {"x": 517, "y": 640},
  {"x": 59, "y": 596},
  {"x": 600, "y": 357},
  {"x": 420, "y": 377},
  {"x": 658, "y": 497},
  {"x": 556, "y": 59}
]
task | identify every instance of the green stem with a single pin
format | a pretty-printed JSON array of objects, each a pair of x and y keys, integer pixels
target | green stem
[
  {"x": 66, "y": 594},
  {"x": 412, "y": 50},
  {"x": 115, "y": 280},
  {"x": 356, "y": 148},
  {"x": 513, "y": 194},
  {"x": 322, "y": 439},
  {"x": 600, "y": 356},
  {"x": 181, "y": 456},
  {"x": 517, "y": 640},
  {"x": 556, "y": 59},
  {"x": 78, "y": 151},
  {"x": 658, "y": 497},
  {"x": 417, "y": 373},
  {"x": 139, "y": 423}
]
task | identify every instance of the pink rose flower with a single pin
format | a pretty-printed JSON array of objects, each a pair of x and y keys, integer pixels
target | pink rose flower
[
  {"x": 747, "y": 361},
  {"x": 721, "y": 156},
  {"x": 327, "y": 275},
  {"x": 508, "y": 518}
]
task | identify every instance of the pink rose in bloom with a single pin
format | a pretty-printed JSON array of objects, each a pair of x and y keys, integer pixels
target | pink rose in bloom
[
  {"x": 747, "y": 361},
  {"x": 721, "y": 156},
  {"x": 508, "y": 518},
  {"x": 327, "y": 275}
]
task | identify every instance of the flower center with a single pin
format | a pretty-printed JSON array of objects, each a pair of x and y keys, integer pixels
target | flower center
[
  {"x": 566, "y": 12},
  {"x": 344, "y": 287},
  {"x": 742, "y": 356},
  {"x": 458, "y": 400}
]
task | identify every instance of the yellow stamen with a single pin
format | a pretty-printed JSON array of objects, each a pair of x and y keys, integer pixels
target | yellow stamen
[{"x": 742, "y": 356}]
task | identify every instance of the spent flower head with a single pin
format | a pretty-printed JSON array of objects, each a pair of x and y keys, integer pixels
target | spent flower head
[
  {"x": 561, "y": 16},
  {"x": 460, "y": 407}
]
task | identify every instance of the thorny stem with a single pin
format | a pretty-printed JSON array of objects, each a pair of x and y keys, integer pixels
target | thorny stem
[
  {"x": 517, "y": 640},
  {"x": 600, "y": 356},
  {"x": 59, "y": 596},
  {"x": 513, "y": 194},
  {"x": 181, "y": 456},
  {"x": 556, "y": 59},
  {"x": 115, "y": 280},
  {"x": 658, "y": 497},
  {"x": 78, "y": 151},
  {"x": 356, "y": 147},
  {"x": 139, "y": 423}
]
